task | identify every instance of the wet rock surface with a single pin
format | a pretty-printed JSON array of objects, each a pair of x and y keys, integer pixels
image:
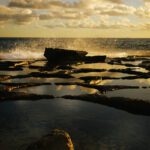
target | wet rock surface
[
  {"x": 145, "y": 64},
  {"x": 4, "y": 77},
  {"x": 56, "y": 140},
  {"x": 9, "y": 96},
  {"x": 131, "y": 68}
]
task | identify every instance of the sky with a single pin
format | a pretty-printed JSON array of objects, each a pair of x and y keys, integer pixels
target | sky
[{"x": 75, "y": 18}]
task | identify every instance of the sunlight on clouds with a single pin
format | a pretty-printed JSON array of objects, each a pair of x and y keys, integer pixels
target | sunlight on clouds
[
  {"x": 90, "y": 14},
  {"x": 144, "y": 11}
]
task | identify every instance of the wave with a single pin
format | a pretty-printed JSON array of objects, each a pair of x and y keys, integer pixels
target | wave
[
  {"x": 17, "y": 48},
  {"x": 18, "y": 54},
  {"x": 27, "y": 54}
]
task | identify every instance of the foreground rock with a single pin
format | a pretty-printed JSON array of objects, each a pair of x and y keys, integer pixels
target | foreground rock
[{"x": 56, "y": 140}]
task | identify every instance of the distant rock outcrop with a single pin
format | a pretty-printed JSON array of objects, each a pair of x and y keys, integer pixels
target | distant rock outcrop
[
  {"x": 57, "y": 55},
  {"x": 56, "y": 140},
  {"x": 70, "y": 56},
  {"x": 94, "y": 59}
]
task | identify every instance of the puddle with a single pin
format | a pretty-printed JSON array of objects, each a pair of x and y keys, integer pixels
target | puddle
[
  {"x": 42, "y": 80},
  {"x": 39, "y": 63},
  {"x": 91, "y": 126},
  {"x": 100, "y": 66},
  {"x": 58, "y": 90},
  {"x": 140, "y": 69},
  {"x": 135, "y": 82},
  {"x": 25, "y": 71},
  {"x": 142, "y": 94},
  {"x": 102, "y": 74},
  {"x": 136, "y": 62}
]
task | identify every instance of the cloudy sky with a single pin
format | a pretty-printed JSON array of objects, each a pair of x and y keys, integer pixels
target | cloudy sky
[{"x": 75, "y": 18}]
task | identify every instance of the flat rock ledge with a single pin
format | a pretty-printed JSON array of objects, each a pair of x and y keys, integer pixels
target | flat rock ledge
[{"x": 56, "y": 140}]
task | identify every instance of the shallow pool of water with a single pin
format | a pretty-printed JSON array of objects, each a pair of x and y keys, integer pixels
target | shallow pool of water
[
  {"x": 42, "y": 80},
  {"x": 58, "y": 90},
  {"x": 135, "y": 82},
  {"x": 100, "y": 66},
  {"x": 91, "y": 126},
  {"x": 141, "y": 94},
  {"x": 102, "y": 74}
]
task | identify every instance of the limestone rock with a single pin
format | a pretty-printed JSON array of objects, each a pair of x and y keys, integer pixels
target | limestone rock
[{"x": 56, "y": 140}]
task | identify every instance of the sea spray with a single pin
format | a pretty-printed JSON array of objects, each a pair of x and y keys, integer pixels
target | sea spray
[
  {"x": 21, "y": 54},
  {"x": 33, "y": 48}
]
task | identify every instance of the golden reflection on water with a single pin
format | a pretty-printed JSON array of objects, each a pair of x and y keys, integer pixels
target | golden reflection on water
[
  {"x": 100, "y": 66},
  {"x": 102, "y": 74},
  {"x": 76, "y": 88},
  {"x": 135, "y": 82},
  {"x": 144, "y": 81},
  {"x": 42, "y": 80},
  {"x": 90, "y": 90},
  {"x": 59, "y": 87},
  {"x": 100, "y": 82},
  {"x": 58, "y": 90},
  {"x": 72, "y": 87},
  {"x": 141, "y": 69}
]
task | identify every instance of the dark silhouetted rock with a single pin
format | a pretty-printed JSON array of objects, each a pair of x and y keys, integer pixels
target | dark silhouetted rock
[
  {"x": 59, "y": 74},
  {"x": 145, "y": 64},
  {"x": 12, "y": 66},
  {"x": 59, "y": 55},
  {"x": 94, "y": 59},
  {"x": 87, "y": 70},
  {"x": 10, "y": 96},
  {"x": 63, "y": 56},
  {"x": 56, "y": 140}
]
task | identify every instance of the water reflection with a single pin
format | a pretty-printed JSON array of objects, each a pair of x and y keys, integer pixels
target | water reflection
[
  {"x": 100, "y": 66},
  {"x": 143, "y": 94},
  {"x": 58, "y": 90},
  {"x": 140, "y": 69},
  {"x": 25, "y": 71},
  {"x": 91, "y": 126},
  {"x": 102, "y": 74},
  {"x": 136, "y": 62},
  {"x": 42, "y": 80},
  {"x": 135, "y": 82}
]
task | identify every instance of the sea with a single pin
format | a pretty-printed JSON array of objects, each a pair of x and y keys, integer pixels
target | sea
[{"x": 33, "y": 48}]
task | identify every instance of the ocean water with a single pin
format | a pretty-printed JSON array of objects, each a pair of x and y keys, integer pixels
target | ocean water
[{"x": 33, "y": 48}]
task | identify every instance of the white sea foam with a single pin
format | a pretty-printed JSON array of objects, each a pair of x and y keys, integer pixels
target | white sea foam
[{"x": 21, "y": 54}]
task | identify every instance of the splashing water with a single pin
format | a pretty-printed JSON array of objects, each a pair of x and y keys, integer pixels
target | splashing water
[
  {"x": 29, "y": 48},
  {"x": 21, "y": 54}
]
